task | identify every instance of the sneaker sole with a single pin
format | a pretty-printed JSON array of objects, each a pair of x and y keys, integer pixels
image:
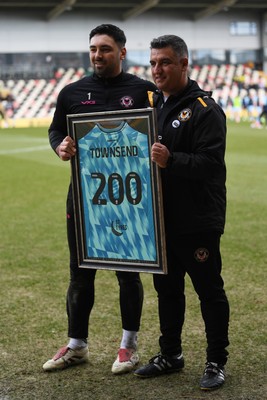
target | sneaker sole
[
  {"x": 65, "y": 364},
  {"x": 207, "y": 389},
  {"x": 123, "y": 369},
  {"x": 173, "y": 371}
]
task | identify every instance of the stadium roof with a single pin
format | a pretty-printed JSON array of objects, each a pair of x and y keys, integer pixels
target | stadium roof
[{"x": 125, "y": 9}]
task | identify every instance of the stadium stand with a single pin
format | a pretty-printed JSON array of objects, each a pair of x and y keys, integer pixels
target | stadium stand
[
  {"x": 227, "y": 41},
  {"x": 34, "y": 99}
]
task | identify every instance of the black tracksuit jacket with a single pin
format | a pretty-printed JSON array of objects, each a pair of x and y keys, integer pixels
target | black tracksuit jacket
[
  {"x": 193, "y": 127},
  {"x": 93, "y": 94}
]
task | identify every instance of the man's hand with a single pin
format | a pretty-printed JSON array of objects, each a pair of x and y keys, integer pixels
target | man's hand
[
  {"x": 160, "y": 154},
  {"x": 66, "y": 149}
]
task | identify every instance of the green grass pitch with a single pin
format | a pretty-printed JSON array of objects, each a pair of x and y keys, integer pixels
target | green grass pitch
[{"x": 34, "y": 278}]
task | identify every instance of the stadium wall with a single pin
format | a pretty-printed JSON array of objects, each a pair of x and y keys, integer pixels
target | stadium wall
[
  {"x": 70, "y": 32},
  {"x": 27, "y": 34}
]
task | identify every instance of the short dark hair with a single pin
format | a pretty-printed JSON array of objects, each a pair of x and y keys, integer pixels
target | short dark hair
[
  {"x": 177, "y": 43},
  {"x": 111, "y": 30}
]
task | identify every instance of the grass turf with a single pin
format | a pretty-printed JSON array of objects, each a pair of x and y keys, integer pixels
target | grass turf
[{"x": 34, "y": 277}]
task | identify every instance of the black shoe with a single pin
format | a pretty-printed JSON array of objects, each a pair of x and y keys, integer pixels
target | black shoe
[
  {"x": 160, "y": 365},
  {"x": 213, "y": 377}
]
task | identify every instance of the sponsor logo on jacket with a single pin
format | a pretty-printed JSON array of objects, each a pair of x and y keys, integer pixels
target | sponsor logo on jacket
[{"x": 184, "y": 115}]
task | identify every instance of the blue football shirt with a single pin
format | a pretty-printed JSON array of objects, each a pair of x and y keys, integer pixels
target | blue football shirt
[{"x": 116, "y": 194}]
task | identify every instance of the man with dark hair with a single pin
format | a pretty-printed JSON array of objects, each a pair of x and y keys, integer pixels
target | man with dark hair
[
  {"x": 111, "y": 30},
  {"x": 190, "y": 153},
  {"x": 109, "y": 88}
]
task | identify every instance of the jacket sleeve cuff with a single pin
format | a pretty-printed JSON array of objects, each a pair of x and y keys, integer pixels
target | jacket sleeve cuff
[{"x": 170, "y": 160}]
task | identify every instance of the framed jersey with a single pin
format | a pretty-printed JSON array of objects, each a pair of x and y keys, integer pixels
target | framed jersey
[{"x": 117, "y": 191}]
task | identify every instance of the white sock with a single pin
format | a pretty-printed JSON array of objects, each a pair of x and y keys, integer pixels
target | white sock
[
  {"x": 77, "y": 343},
  {"x": 129, "y": 340}
]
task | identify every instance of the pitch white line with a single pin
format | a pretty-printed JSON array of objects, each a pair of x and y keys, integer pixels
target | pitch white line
[{"x": 25, "y": 150}]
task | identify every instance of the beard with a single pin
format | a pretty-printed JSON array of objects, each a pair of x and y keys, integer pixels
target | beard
[{"x": 104, "y": 71}]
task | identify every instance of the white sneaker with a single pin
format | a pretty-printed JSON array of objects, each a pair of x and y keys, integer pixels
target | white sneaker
[
  {"x": 66, "y": 357},
  {"x": 125, "y": 362}
]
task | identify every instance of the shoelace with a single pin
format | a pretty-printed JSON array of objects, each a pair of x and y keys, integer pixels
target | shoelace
[
  {"x": 212, "y": 368},
  {"x": 160, "y": 361}
]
